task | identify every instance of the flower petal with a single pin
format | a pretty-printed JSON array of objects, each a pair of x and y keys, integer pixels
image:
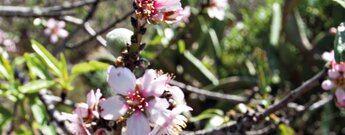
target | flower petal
[
  {"x": 62, "y": 33},
  {"x": 113, "y": 108},
  {"x": 327, "y": 84},
  {"x": 157, "y": 111},
  {"x": 121, "y": 80},
  {"x": 138, "y": 124},
  {"x": 82, "y": 110}
]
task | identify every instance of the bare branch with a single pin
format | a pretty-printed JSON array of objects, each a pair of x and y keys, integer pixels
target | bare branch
[
  {"x": 247, "y": 122},
  {"x": 106, "y": 29},
  {"x": 210, "y": 94},
  {"x": 53, "y": 11}
]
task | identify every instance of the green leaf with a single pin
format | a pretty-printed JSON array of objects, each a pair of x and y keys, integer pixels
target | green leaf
[
  {"x": 6, "y": 69},
  {"x": 41, "y": 116},
  {"x": 86, "y": 67},
  {"x": 276, "y": 24},
  {"x": 63, "y": 66},
  {"x": 36, "y": 67},
  {"x": 35, "y": 86},
  {"x": 285, "y": 130},
  {"x": 47, "y": 57},
  {"x": 341, "y": 2},
  {"x": 209, "y": 113},
  {"x": 5, "y": 116},
  {"x": 195, "y": 67},
  {"x": 339, "y": 44}
]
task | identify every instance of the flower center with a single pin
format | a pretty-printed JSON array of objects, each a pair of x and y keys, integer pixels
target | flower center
[
  {"x": 135, "y": 101},
  {"x": 146, "y": 7},
  {"x": 340, "y": 81}
]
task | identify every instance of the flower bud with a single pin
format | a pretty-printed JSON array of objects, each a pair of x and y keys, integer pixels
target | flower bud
[
  {"x": 118, "y": 39},
  {"x": 327, "y": 84}
]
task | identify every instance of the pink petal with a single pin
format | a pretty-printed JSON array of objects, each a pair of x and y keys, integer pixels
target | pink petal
[
  {"x": 327, "y": 84},
  {"x": 82, "y": 110},
  {"x": 51, "y": 23},
  {"x": 138, "y": 124},
  {"x": 157, "y": 110},
  {"x": 47, "y": 31},
  {"x": 121, "y": 80},
  {"x": 54, "y": 38},
  {"x": 113, "y": 108},
  {"x": 177, "y": 93},
  {"x": 180, "y": 109},
  {"x": 157, "y": 86},
  {"x": 61, "y": 24},
  {"x": 333, "y": 74},
  {"x": 147, "y": 78},
  {"x": 340, "y": 94},
  {"x": 91, "y": 98},
  {"x": 62, "y": 33}
]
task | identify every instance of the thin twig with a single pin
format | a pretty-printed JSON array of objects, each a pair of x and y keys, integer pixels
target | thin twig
[
  {"x": 86, "y": 27},
  {"x": 76, "y": 30},
  {"x": 55, "y": 115},
  {"x": 210, "y": 94},
  {"x": 247, "y": 122},
  {"x": 53, "y": 11},
  {"x": 106, "y": 29}
]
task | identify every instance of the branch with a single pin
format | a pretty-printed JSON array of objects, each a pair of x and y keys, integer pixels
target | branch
[
  {"x": 102, "y": 31},
  {"x": 53, "y": 11},
  {"x": 55, "y": 115},
  {"x": 76, "y": 30},
  {"x": 210, "y": 94},
  {"x": 248, "y": 121},
  {"x": 86, "y": 27}
]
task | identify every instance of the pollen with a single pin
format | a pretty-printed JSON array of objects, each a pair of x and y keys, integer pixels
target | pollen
[{"x": 135, "y": 101}]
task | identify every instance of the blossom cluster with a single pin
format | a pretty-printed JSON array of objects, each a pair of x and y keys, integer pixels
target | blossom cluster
[
  {"x": 8, "y": 43},
  {"x": 147, "y": 105},
  {"x": 156, "y": 11},
  {"x": 55, "y": 30},
  {"x": 336, "y": 78}
]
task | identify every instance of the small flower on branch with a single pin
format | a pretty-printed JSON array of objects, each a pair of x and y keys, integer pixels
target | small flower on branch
[
  {"x": 142, "y": 102},
  {"x": 55, "y": 30},
  {"x": 336, "y": 78},
  {"x": 85, "y": 115},
  {"x": 156, "y": 11},
  {"x": 216, "y": 9}
]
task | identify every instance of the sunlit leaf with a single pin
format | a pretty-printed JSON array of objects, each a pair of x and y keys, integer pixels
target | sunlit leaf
[
  {"x": 86, "y": 67},
  {"x": 47, "y": 57},
  {"x": 35, "y": 86},
  {"x": 341, "y": 2}
]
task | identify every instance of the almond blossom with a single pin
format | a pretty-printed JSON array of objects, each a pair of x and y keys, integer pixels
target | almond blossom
[
  {"x": 336, "y": 78},
  {"x": 80, "y": 119},
  {"x": 216, "y": 9},
  {"x": 55, "y": 30},
  {"x": 139, "y": 102},
  {"x": 89, "y": 109},
  {"x": 76, "y": 124},
  {"x": 156, "y": 11}
]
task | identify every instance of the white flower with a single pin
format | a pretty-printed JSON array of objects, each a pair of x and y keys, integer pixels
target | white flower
[
  {"x": 173, "y": 121},
  {"x": 89, "y": 109},
  {"x": 55, "y": 29},
  {"x": 216, "y": 9},
  {"x": 75, "y": 125},
  {"x": 136, "y": 100}
]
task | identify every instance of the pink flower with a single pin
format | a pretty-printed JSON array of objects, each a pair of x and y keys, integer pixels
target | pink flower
[
  {"x": 76, "y": 125},
  {"x": 136, "y": 100},
  {"x": 55, "y": 29},
  {"x": 340, "y": 94},
  {"x": 216, "y": 9},
  {"x": 156, "y": 11},
  {"x": 186, "y": 12},
  {"x": 90, "y": 109},
  {"x": 174, "y": 122}
]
